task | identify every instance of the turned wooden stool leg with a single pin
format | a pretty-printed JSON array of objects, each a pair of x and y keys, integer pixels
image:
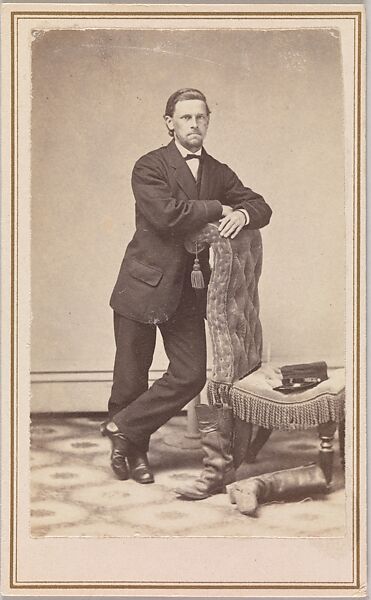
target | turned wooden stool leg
[
  {"x": 342, "y": 441},
  {"x": 241, "y": 440},
  {"x": 326, "y": 454},
  {"x": 261, "y": 437}
]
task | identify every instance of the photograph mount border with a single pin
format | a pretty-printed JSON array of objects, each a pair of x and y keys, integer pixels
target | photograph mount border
[{"x": 357, "y": 17}]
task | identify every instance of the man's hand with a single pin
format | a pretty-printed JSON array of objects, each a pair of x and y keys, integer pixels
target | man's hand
[
  {"x": 227, "y": 210},
  {"x": 231, "y": 223}
]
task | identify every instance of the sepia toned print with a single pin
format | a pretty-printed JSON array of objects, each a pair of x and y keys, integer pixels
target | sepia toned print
[
  {"x": 60, "y": 78},
  {"x": 214, "y": 164}
]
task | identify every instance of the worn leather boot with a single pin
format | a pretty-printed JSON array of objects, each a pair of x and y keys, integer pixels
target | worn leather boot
[
  {"x": 120, "y": 448},
  {"x": 138, "y": 465},
  {"x": 280, "y": 485},
  {"x": 216, "y": 428}
]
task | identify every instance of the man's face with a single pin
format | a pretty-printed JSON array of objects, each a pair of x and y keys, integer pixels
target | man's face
[{"x": 189, "y": 123}]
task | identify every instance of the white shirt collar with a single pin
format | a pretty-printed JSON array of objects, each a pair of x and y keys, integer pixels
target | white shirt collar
[{"x": 183, "y": 151}]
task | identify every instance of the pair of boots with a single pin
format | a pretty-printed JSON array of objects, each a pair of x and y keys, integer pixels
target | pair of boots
[{"x": 216, "y": 425}]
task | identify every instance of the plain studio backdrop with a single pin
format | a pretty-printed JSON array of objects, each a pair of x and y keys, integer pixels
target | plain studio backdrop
[{"x": 277, "y": 120}]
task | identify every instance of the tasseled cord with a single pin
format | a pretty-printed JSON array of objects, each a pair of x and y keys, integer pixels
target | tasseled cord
[{"x": 197, "y": 278}]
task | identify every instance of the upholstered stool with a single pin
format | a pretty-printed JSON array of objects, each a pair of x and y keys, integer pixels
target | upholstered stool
[{"x": 254, "y": 401}]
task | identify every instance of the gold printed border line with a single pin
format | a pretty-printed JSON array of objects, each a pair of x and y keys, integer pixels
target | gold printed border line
[
  {"x": 358, "y": 299},
  {"x": 187, "y": 14},
  {"x": 12, "y": 335},
  {"x": 181, "y": 586},
  {"x": 356, "y": 16}
]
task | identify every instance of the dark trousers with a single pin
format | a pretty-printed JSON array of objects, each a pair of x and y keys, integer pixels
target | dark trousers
[{"x": 137, "y": 410}]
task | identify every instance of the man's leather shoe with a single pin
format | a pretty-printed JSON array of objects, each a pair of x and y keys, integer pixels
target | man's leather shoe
[
  {"x": 120, "y": 448},
  {"x": 139, "y": 468}
]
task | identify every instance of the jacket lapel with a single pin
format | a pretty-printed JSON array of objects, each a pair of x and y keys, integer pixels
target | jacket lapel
[{"x": 183, "y": 174}]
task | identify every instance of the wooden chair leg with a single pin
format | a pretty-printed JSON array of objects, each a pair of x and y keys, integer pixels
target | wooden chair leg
[
  {"x": 241, "y": 441},
  {"x": 326, "y": 454},
  {"x": 261, "y": 437}
]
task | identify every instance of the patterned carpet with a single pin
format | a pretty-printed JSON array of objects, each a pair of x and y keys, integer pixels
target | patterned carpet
[{"x": 74, "y": 492}]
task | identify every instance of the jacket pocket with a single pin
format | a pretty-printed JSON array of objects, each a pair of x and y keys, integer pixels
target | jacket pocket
[{"x": 150, "y": 275}]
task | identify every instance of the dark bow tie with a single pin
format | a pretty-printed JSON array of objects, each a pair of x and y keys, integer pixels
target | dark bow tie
[{"x": 190, "y": 156}]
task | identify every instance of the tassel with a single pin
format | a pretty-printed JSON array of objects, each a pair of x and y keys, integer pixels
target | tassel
[{"x": 197, "y": 278}]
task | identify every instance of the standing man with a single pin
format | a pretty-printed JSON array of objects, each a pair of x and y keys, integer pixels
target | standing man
[{"x": 178, "y": 189}]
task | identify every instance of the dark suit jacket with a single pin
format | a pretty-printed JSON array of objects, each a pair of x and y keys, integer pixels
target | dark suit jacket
[{"x": 168, "y": 206}]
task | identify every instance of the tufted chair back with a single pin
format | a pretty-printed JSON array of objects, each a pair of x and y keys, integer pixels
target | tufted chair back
[{"x": 232, "y": 305}]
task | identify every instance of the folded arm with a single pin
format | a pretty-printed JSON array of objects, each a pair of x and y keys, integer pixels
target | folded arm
[{"x": 168, "y": 213}]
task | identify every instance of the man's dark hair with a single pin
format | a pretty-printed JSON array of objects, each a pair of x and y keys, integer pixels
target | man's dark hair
[{"x": 184, "y": 94}]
